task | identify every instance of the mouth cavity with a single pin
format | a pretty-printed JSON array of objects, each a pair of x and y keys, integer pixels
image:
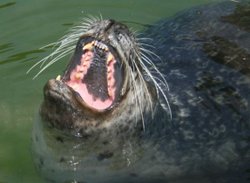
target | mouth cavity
[{"x": 95, "y": 73}]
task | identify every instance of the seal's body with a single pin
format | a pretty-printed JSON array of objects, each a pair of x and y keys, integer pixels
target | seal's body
[{"x": 130, "y": 126}]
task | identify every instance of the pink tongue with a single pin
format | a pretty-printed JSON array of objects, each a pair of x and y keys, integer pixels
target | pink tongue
[
  {"x": 88, "y": 98},
  {"x": 76, "y": 83}
]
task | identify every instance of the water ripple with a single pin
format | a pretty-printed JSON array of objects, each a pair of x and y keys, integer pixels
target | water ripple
[
  {"x": 6, "y": 47},
  {"x": 7, "y": 4},
  {"x": 23, "y": 56}
]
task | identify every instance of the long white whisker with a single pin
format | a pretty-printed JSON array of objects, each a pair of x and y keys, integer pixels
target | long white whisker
[
  {"x": 65, "y": 45},
  {"x": 158, "y": 78},
  {"x": 144, "y": 45},
  {"x": 144, "y": 84},
  {"x": 158, "y": 87},
  {"x": 58, "y": 57},
  {"x": 48, "y": 45},
  {"x": 156, "y": 69},
  {"x": 146, "y": 51},
  {"x": 136, "y": 92},
  {"x": 138, "y": 103}
]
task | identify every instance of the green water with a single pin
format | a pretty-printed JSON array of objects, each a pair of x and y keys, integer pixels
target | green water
[{"x": 27, "y": 25}]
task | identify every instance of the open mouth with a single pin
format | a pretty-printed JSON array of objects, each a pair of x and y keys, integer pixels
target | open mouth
[{"x": 95, "y": 73}]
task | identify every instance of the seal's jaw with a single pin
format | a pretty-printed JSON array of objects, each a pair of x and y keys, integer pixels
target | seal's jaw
[{"x": 95, "y": 73}]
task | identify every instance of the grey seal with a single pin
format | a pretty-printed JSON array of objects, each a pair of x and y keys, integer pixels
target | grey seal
[{"x": 169, "y": 105}]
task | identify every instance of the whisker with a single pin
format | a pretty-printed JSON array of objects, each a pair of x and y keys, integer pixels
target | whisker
[
  {"x": 158, "y": 79},
  {"x": 65, "y": 45},
  {"x": 156, "y": 70},
  {"x": 57, "y": 58},
  {"x": 136, "y": 96},
  {"x": 140, "y": 65}
]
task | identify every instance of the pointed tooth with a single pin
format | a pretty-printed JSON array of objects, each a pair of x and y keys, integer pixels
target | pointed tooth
[
  {"x": 110, "y": 57},
  {"x": 88, "y": 46},
  {"x": 58, "y": 77}
]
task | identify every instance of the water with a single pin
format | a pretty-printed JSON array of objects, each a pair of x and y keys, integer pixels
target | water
[{"x": 25, "y": 26}]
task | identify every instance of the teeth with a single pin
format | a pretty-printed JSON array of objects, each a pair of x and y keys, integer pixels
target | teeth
[
  {"x": 88, "y": 46},
  {"x": 110, "y": 57},
  {"x": 100, "y": 45},
  {"x": 58, "y": 77}
]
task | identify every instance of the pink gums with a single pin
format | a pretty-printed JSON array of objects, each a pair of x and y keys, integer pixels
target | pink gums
[{"x": 76, "y": 82}]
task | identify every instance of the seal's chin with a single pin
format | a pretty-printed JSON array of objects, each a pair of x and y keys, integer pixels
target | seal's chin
[{"x": 95, "y": 73}]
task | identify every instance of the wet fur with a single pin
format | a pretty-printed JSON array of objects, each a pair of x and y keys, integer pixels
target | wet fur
[{"x": 138, "y": 67}]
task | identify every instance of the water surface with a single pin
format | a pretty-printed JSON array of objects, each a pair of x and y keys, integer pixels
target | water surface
[{"x": 26, "y": 26}]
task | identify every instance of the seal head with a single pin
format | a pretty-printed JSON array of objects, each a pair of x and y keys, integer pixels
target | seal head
[{"x": 104, "y": 71}]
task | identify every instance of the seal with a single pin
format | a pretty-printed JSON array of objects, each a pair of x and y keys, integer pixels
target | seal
[{"x": 168, "y": 105}]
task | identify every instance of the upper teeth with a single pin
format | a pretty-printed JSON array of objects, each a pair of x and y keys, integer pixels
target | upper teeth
[
  {"x": 88, "y": 46},
  {"x": 98, "y": 44}
]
